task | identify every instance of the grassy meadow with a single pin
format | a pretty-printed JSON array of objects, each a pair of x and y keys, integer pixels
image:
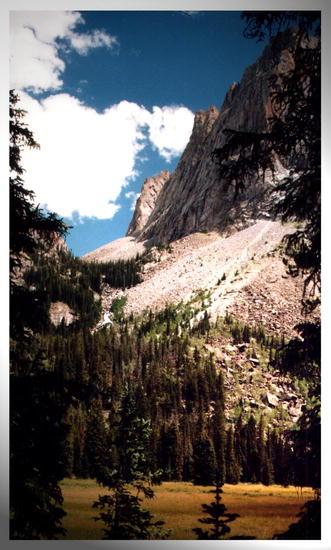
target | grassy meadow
[{"x": 263, "y": 510}]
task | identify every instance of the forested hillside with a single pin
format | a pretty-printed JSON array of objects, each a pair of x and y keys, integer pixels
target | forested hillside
[{"x": 160, "y": 363}]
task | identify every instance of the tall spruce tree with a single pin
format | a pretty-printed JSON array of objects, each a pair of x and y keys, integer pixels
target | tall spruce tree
[
  {"x": 232, "y": 466},
  {"x": 96, "y": 451},
  {"x": 121, "y": 511},
  {"x": 253, "y": 461},
  {"x": 36, "y": 403},
  {"x": 293, "y": 137},
  {"x": 204, "y": 461},
  {"x": 263, "y": 456},
  {"x": 219, "y": 434}
]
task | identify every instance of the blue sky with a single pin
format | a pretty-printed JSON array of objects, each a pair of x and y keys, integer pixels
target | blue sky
[{"x": 111, "y": 98}]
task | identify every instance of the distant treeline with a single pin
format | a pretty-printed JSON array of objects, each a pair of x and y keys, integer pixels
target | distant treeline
[{"x": 69, "y": 279}]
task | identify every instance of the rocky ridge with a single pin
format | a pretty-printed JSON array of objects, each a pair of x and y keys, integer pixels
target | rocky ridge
[
  {"x": 194, "y": 198},
  {"x": 120, "y": 249},
  {"x": 146, "y": 202}
]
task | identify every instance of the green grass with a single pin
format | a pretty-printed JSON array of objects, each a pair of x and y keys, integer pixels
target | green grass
[{"x": 263, "y": 511}]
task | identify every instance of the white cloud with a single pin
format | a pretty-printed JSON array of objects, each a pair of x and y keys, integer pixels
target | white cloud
[
  {"x": 82, "y": 43},
  {"x": 86, "y": 157},
  {"x": 36, "y": 39},
  {"x": 170, "y": 129}
]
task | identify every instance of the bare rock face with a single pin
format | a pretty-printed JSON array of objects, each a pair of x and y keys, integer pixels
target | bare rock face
[
  {"x": 51, "y": 247},
  {"x": 146, "y": 202},
  {"x": 193, "y": 197},
  {"x": 59, "y": 311}
]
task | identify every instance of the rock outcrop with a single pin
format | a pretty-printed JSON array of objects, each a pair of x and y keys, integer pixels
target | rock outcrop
[
  {"x": 60, "y": 312},
  {"x": 146, "y": 202},
  {"x": 193, "y": 198},
  {"x": 125, "y": 248}
]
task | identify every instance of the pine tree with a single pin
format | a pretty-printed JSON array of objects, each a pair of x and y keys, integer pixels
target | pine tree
[
  {"x": 121, "y": 511},
  {"x": 96, "y": 451},
  {"x": 264, "y": 460},
  {"x": 219, "y": 434},
  {"x": 268, "y": 474},
  {"x": 309, "y": 525},
  {"x": 253, "y": 462},
  {"x": 293, "y": 136},
  {"x": 240, "y": 445},
  {"x": 218, "y": 518},
  {"x": 26, "y": 219},
  {"x": 232, "y": 466},
  {"x": 37, "y": 464},
  {"x": 37, "y": 432},
  {"x": 204, "y": 461},
  {"x": 125, "y": 519}
]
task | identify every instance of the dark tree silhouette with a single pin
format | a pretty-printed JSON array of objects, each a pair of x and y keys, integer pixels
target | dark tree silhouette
[
  {"x": 217, "y": 519},
  {"x": 125, "y": 519},
  {"x": 293, "y": 137},
  {"x": 309, "y": 525},
  {"x": 121, "y": 511},
  {"x": 27, "y": 221},
  {"x": 36, "y": 427}
]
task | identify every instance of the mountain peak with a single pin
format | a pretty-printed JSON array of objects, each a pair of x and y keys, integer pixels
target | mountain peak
[{"x": 146, "y": 202}]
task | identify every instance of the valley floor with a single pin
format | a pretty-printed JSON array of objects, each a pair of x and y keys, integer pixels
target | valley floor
[{"x": 264, "y": 511}]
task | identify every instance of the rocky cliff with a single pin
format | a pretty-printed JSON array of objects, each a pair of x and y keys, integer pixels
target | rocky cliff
[
  {"x": 193, "y": 197},
  {"x": 146, "y": 202}
]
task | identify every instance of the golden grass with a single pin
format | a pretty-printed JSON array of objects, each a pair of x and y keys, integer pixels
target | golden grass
[{"x": 263, "y": 511}]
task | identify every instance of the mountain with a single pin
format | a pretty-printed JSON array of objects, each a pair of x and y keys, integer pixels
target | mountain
[
  {"x": 202, "y": 237},
  {"x": 193, "y": 198}
]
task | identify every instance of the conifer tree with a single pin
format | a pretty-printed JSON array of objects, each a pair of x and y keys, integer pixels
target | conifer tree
[
  {"x": 309, "y": 525},
  {"x": 219, "y": 434},
  {"x": 124, "y": 518},
  {"x": 264, "y": 460},
  {"x": 268, "y": 474},
  {"x": 232, "y": 466},
  {"x": 97, "y": 454},
  {"x": 121, "y": 511},
  {"x": 218, "y": 518},
  {"x": 240, "y": 445},
  {"x": 204, "y": 461},
  {"x": 36, "y": 421},
  {"x": 293, "y": 137}
]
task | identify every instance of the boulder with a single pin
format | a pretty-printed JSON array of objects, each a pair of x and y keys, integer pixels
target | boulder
[{"x": 270, "y": 399}]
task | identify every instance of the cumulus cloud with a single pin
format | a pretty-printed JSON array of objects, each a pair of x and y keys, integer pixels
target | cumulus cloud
[
  {"x": 169, "y": 130},
  {"x": 36, "y": 40},
  {"x": 87, "y": 158}
]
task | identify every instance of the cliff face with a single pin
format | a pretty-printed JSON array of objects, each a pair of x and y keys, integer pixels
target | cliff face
[
  {"x": 146, "y": 202},
  {"x": 192, "y": 198}
]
